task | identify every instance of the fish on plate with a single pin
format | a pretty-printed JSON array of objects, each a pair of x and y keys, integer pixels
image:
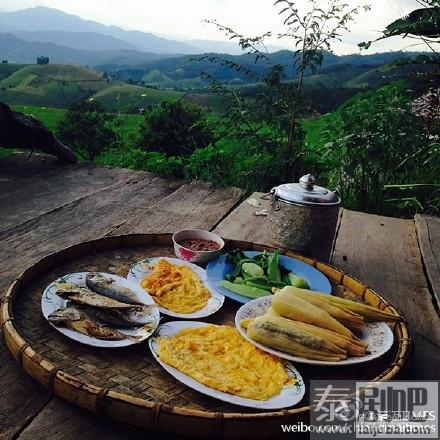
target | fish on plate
[
  {"x": 139, "y": 317},
  {"x": 85, "y": 296},
  {"x": 81, "y": 321},
  {"x": 107, "y": 287}
]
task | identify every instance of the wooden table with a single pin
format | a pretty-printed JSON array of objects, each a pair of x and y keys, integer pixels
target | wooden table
[{"x": 45, "y": 206}]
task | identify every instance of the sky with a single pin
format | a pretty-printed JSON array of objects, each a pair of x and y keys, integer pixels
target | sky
[{"x": 183, "y": 19}]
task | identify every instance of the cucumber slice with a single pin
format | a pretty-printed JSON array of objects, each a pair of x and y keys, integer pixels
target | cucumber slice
[
  {"x": 252, "y": 269},
  {"x": 296, "y": 281}
]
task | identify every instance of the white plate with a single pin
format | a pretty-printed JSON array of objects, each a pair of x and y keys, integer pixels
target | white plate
[
  {"x": 50, "y": 302},
  {"x": 142, "y": 268},
  {"x": 289, "y": 396},
  {"x": 377, "y": 335}
]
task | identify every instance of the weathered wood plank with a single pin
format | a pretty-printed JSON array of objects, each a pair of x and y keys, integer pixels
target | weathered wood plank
[
  {"x": 63, "y": 420},
  {"x": 195, "y": 205},
  {"x": 383, "y": 252},
  {"x": 84, "y": 219},
  {"x": 20, "y": 166},
  {"x": 428, "y": 233},
  {"x": 243, "y": 224},
  {"x": 21, "y": 398},
  {"x": 45, "y": 192}
]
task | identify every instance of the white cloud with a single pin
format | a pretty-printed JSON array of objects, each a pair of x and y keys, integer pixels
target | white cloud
[{"x": 183, "y": 18}]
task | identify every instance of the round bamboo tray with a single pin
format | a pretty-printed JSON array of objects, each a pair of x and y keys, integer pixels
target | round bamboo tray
[{"x": 128, "y": 384}]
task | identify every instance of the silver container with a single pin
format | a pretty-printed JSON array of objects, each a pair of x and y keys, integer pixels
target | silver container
[{"x": 303, "y": 217}]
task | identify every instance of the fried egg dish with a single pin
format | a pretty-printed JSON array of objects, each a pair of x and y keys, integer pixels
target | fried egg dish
[
  {"x": 217, "y": 356},
  {"x": 176, "y": 288}
]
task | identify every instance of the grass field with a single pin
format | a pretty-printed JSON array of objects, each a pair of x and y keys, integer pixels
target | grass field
[
  {"x": 57, "y": 86},
  {"x": 128, "y": 125},
  {"x": 49, "y": 85},
  {"x": 128, "y": 98},
  {"x": 50, "y": 117}
]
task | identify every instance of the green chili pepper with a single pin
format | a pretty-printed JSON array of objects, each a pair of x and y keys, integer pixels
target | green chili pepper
[{"x": 273, "y": 269}]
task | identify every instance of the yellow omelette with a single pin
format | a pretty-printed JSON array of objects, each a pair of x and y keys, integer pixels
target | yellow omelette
[
  {"x": 176, "y": 287},
  {"x": 217, "y": 356}
]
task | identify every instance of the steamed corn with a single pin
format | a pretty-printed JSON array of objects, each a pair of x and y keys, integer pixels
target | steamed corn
[
  {"x": 298, "y": 309},
  {"x": 283, "y": 334}
]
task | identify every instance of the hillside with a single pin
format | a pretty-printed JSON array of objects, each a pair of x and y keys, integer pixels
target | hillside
[
  {"x": 184, "y": 71},
  {"x": 17, "y": 50},
  {"x": 50, "y": 85},
  {"x": 127, "y": 98},
  {"x": 54, "y": 85}
]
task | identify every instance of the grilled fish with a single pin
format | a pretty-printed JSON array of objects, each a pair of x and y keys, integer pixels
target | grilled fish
[
  {"x": 81, "y": 322},
  {"x": 121, "y": 318},
  {"x": 85, "y": 296},
  {"x": 107, "y": 287}
]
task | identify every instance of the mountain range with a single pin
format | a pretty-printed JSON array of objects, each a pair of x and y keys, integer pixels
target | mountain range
[{"x": 48, "y": 25}]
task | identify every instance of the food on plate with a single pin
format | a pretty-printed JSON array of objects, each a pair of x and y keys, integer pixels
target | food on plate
[
  {"x": 368, "y": 312},
  {"x": 283, "y": 334},
  {"x": 121, "y": 318},
  {"x": 313, "y": 325},
  {"x": 256, "y": 276},
  {"x": 176, "y": 287},
  {"x": 108, "y": 287},
  {"x": 85, "y": 296},
  {"x": 298, "y": 309},
  {"x": 217, "y": 356},
  {"x": 339, "y": 313},
  {"x": 245, "y": 290},
  {"x": 353, "y": 346},
  {"x": 80, "y": 321},
  {"x": 198, "y": 244}
]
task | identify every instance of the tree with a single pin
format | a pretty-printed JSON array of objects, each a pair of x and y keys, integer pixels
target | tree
[
  {"x": 176, "y": 129},
  {"x": 43, "y": 60},
  {"x": 421, "y": 24},
  {"x": 375, "y": 140},
  {"x": 86, "y": 127},
  {"x": 311, "y": 30}
]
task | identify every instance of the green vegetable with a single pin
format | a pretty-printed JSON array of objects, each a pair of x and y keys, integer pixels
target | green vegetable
[
  {"x": 252, "y": 269},
  {"x": 273, "y": 269},
  {"x": 262, "y": 272},
  {"x": 242, "y": 289},
  {"x": 297, "y": 281}
]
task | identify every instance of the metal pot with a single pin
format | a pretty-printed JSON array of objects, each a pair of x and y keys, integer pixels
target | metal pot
[{"x": 303, "y": 217}]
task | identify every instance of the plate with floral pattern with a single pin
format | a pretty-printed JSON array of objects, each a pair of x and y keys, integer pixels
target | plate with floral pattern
[
  {"x": 142, "y": 268},
  {"x": 50, "y": 302},
  {"x": 291, "y": 394},
  {"x": 377, "y": 335}
]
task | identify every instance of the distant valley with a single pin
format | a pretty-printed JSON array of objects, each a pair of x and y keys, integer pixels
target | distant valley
[{"x": 128, "y": 70}]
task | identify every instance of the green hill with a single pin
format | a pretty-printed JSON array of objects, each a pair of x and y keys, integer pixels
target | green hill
[
  {"x": 52, "y": 85},
  {"x": 128, "y": 98},
  {"x": 385, "y": 74},
  {"x": 8, "y": 69},
  {"x": 58, "y": 85}
]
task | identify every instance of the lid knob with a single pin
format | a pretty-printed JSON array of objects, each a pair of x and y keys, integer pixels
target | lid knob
[{"x": 307, "y": 182}]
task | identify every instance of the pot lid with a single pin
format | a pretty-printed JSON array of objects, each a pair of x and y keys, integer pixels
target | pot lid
[{"x": 306, "y": 192}]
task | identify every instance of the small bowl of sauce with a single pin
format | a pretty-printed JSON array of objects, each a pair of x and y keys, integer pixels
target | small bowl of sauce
[{"x": 197, "y": 245}]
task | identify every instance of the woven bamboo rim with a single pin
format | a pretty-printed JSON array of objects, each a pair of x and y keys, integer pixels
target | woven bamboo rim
[{"x": 155, "y": 415}]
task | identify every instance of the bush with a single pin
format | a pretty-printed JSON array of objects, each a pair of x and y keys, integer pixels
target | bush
[
  {"x": 175, "y": 129},
  {"x": 86, "y": 128},
  {"x": 375, "y": 140},
  {"x": 231, "y": 162},
  {"x": 143, "y": 160}
]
